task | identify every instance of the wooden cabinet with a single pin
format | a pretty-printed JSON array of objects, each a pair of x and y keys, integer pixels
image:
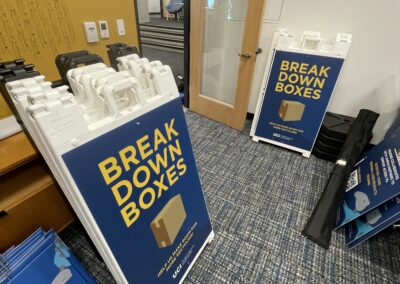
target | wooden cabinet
[
  {"x": 29, "y": 197},
  {"x": 15, "y": 151}
]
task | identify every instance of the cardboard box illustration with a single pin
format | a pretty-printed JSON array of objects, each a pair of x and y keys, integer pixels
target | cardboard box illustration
[
  {"x": 168, "y": 222},
  {"x": 291, "y": 110}
]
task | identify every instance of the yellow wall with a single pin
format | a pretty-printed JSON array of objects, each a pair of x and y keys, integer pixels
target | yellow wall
[
  {"x": 4, "y": 110},
  {"x": 38, "y": 30}
]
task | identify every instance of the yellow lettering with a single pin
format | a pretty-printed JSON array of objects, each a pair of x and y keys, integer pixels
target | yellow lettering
[
  {"x": 158, "y": 139},
  {"x": 181, "y": 166},
  {"x": 171, "y": 175},
  {"x": 175, "y": 150},
  {"x": 110, "y": 170},
  {"x": 117, "y": 194},
  {"x": 313, "y": 70},
  {"x": 294, "y": 66},
  {"x": 170, "y": 129},
  {"x": 303, "y": 68},
  {"x": 130, "y": 213},
  {"x": 285, "y": 65},
  {"x": 161, "y": 186},
  {"x": 146, "y": 171},
  {"x": 289, "y": 89},
  {"x": 279, "y": 87},
  {"x": 298, "y": 90},
  {"x": 160, "y": 160},
  {"x": 307, "y": 92},
  {"x": 293, "y": 78},
  {"x": 131, "y": 158},
  {"x": 142, "y": 203},
  {"x": 143, "y": 145},
  {"x": 324, "y": 71},
  {"x": 317, "y": 94},
  {"x": 282, "y": 76},
  {"x": 307, "y": 80},
  {"x": 318, "y": 82}
]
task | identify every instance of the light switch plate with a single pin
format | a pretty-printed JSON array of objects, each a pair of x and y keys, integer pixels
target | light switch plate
[
  {"x": 104, "y": 31},
  {"x": 91, "y": 32},
  {"x": 121, "y": 27}
]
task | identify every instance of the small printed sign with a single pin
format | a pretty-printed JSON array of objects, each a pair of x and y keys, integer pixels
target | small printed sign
[{"x": 296, "y": 97}]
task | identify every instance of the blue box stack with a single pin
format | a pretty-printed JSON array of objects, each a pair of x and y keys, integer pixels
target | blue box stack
[{"x": 42, "y": 258}]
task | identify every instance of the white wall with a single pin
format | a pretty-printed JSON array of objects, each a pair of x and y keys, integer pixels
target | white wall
[
  {"x": 154, "y": 6},
  {"x": 143, "y": 11},
  {"x": 371, "y": 75}
]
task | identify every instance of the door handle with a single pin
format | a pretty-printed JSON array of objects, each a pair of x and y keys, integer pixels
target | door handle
[
  {"x": 246, "y": 55},
  {"x": 259, "y": 50}
]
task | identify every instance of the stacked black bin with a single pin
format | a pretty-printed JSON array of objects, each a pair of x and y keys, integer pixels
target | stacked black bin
[
  {"x": 16, "y": 70},
  {"x": 116, "y": 50},
  {"x": 70, "y": 60},
  {"x": 331, "y": 136},
  {"x": 12, "y": 71}
]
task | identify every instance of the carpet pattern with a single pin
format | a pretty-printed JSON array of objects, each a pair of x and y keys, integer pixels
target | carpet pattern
[{"x": 259, "y": 198}]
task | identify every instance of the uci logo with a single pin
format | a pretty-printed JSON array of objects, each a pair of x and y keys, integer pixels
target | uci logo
[
  {"x": 276, "y": 135},
  {"x": 177, "y": 271}
]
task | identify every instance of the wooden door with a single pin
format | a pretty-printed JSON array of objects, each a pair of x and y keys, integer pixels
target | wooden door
[{"x": 224, "y": 38}]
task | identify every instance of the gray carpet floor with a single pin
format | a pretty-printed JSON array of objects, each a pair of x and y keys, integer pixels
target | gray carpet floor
[
  {"x": 259, "y": 198},
  {"x": 172, "y": 59},
  {"x": 158, "y": 21}
]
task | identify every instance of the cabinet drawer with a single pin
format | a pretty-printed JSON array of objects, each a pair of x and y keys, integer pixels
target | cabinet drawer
[
  {"x": 15, "y": 151},
  {"x": 45, "y": 207}
]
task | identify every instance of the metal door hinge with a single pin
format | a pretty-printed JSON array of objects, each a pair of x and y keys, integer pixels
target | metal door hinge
[{"x": 246, "y": 55}]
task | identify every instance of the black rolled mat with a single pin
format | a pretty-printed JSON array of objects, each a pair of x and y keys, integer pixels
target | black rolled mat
[{"x": 322, "y": 221}]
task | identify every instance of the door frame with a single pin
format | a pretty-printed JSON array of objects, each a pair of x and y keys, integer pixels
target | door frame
[
  {"x": 233, "y": 116},
  {"x": 135, "y": 4},
  {"x": 186, "y": 54}
]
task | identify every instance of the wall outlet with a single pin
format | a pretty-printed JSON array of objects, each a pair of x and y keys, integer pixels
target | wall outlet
[
  {"x": 91, "y": 32},
  {"x": 121, "y": 27},
  {"x": 104, "y": 32}
]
